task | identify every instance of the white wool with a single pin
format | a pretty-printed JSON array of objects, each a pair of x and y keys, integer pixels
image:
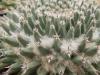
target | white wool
[
  {"x": 46, "y": 42},
  {"x": 64, "y": 46},
  {"x": 96, "y": 34},
  {"x": 74, "y": 45},
  {"x": 71, "y": 45}
]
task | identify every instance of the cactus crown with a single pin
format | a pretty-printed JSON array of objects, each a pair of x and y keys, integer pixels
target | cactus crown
[{"x": 51, "y": 37}]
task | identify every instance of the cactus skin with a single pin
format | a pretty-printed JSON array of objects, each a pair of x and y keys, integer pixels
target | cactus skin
[{"x": 40, "y": 43}]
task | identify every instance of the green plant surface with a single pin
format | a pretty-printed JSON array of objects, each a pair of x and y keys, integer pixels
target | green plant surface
[{"x": 51, "y": 37}]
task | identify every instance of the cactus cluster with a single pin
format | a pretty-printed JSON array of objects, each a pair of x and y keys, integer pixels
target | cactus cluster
[{"x": 51, "y": 37}]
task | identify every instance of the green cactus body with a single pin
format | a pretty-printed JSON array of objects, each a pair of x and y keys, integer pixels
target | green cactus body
[{"x": 51, "y": 37}]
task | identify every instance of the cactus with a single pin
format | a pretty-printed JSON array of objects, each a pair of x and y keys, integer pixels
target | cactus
[{"x": 51, "y": 38}]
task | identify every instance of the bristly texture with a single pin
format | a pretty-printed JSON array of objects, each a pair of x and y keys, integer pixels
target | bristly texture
[{"x": 51, "y": 37}]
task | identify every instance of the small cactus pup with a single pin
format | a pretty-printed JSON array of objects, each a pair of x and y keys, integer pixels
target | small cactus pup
[{"x": 51, "y": 37}]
